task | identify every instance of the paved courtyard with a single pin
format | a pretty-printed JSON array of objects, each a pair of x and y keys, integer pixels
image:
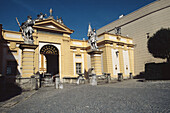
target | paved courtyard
[{"x": 129, "y": 96}]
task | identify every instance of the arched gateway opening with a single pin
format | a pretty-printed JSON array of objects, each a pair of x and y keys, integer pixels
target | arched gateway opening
[{"x": 51, "y": 54}]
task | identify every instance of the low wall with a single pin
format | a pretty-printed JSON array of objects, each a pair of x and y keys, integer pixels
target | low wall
[
  {"x": 29, "y": 83},
  {"x": 157, "y": 71}
]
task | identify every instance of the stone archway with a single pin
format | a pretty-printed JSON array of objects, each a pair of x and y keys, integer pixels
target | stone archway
[{"x": 51, "y": 54}]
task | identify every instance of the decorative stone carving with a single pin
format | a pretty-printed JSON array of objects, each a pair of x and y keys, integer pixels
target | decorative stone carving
[
  {"x": 41, "y": 16},
  {"x": 60, "y": 20},
  {"x": 27, "y": 30},
  {"x": 92, "y": 38},
  {"x": 118, "y": 30}
]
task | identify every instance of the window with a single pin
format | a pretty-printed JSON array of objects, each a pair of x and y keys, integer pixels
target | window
[
  {"x": 78, "y": 68},
  {"x": 78, "y": 55},
  {"x": 11, "y": 68}
]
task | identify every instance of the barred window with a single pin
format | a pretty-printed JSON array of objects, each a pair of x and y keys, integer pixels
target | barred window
[
  {"x": 78, "y": 68},
  {"x": 11, "y": 68}
]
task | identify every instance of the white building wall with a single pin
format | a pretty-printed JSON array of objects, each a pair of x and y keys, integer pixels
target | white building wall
[
  {"x": 88, "y": 61},
  {"x": 115, "y": 62},
  {"x": 147, "y": 19},
  {"x": 126, "y": 62}
]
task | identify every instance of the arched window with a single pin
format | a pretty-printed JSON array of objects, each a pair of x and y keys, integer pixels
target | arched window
[{"x": 49, "y": 49}]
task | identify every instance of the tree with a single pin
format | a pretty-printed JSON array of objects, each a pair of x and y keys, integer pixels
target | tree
[{"x": 159, "y": 44}]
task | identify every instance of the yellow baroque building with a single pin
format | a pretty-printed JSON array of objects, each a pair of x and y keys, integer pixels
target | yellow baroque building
[{"x": 55, "y": 52}]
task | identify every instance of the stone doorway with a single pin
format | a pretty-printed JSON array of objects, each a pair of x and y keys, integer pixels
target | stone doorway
[{"x": 51, "y": 60}]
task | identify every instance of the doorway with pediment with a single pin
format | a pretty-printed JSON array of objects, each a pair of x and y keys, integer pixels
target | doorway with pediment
[{"x": 49, "y": 59}]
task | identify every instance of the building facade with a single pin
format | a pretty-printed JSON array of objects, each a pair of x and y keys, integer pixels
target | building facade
[
  {"x": 54, "y": 52},
  {"x": 141, "y": 24}
]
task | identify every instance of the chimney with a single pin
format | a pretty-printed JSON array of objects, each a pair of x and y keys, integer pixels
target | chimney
[{"x": 121, "y": 16}]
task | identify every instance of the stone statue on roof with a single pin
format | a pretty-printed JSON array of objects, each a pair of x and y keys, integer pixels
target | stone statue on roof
[
  {"x": 60, "y": 20},
  {"x": 41, "y": 16},
  {"x": 51, "y": 13},
  {"x": 27, "y": 30},
  {"x": 118, "y": 30},
  {"x": 92, "y": 38}
]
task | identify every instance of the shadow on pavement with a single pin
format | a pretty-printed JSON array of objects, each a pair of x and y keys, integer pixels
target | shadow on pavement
[{"x": 8, "y": 89}]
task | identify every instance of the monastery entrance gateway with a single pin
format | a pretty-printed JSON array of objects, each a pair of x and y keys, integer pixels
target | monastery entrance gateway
[
  {"x": 49, "y": 59},
  {"x": 50, "y": 50}
]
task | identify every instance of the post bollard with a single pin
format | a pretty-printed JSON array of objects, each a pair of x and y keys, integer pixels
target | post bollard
[
  {"x": 120, "y": 76},
  {"x": 108, "y": 78},
  {"x": 33, "y": 82},
  {"x": 60, "y": 86},
  {"x": 40, "y": 80},
  {"x": 57, "y": 81},
  {"x": 78, "y": 81},
  {"x": 93, "y": 80},
  {"x": 130, "y": 76},
  {"x": 36, "y": 83}
]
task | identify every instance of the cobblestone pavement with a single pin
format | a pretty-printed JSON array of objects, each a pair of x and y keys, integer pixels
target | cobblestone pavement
[{"x": 128, "y": 96}]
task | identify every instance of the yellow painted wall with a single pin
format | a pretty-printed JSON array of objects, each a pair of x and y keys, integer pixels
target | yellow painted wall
[
  {"x": 71, "y": 47},
  {"x": 111, "y": 41}
]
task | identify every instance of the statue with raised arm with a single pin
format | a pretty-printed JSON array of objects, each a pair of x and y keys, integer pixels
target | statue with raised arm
[
  {"x": 41, "y": 16},
  {"x": 92, "y": 38},
  {"x": 27, "y": 30}
]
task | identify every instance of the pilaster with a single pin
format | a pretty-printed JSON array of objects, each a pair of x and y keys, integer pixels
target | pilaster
[
  {"x": 96, "y": 61},
  {"x": 28, "y": 59}
]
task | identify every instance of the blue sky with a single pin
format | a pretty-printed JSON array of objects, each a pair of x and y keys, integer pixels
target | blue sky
[{"x": 76, "y": 14}]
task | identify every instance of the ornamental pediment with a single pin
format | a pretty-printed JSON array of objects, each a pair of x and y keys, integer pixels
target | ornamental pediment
[{"x": 52, "y": 25}]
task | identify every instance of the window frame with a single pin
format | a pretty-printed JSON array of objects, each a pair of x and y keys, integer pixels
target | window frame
[
  {"x": 78, "y": 67},
  {"x": 12, "y": 67}
]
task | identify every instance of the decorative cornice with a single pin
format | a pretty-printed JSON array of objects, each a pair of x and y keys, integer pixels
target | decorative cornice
[
  {"x": 98, "y": 51},
  {"x": 28, "y": 46}
]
